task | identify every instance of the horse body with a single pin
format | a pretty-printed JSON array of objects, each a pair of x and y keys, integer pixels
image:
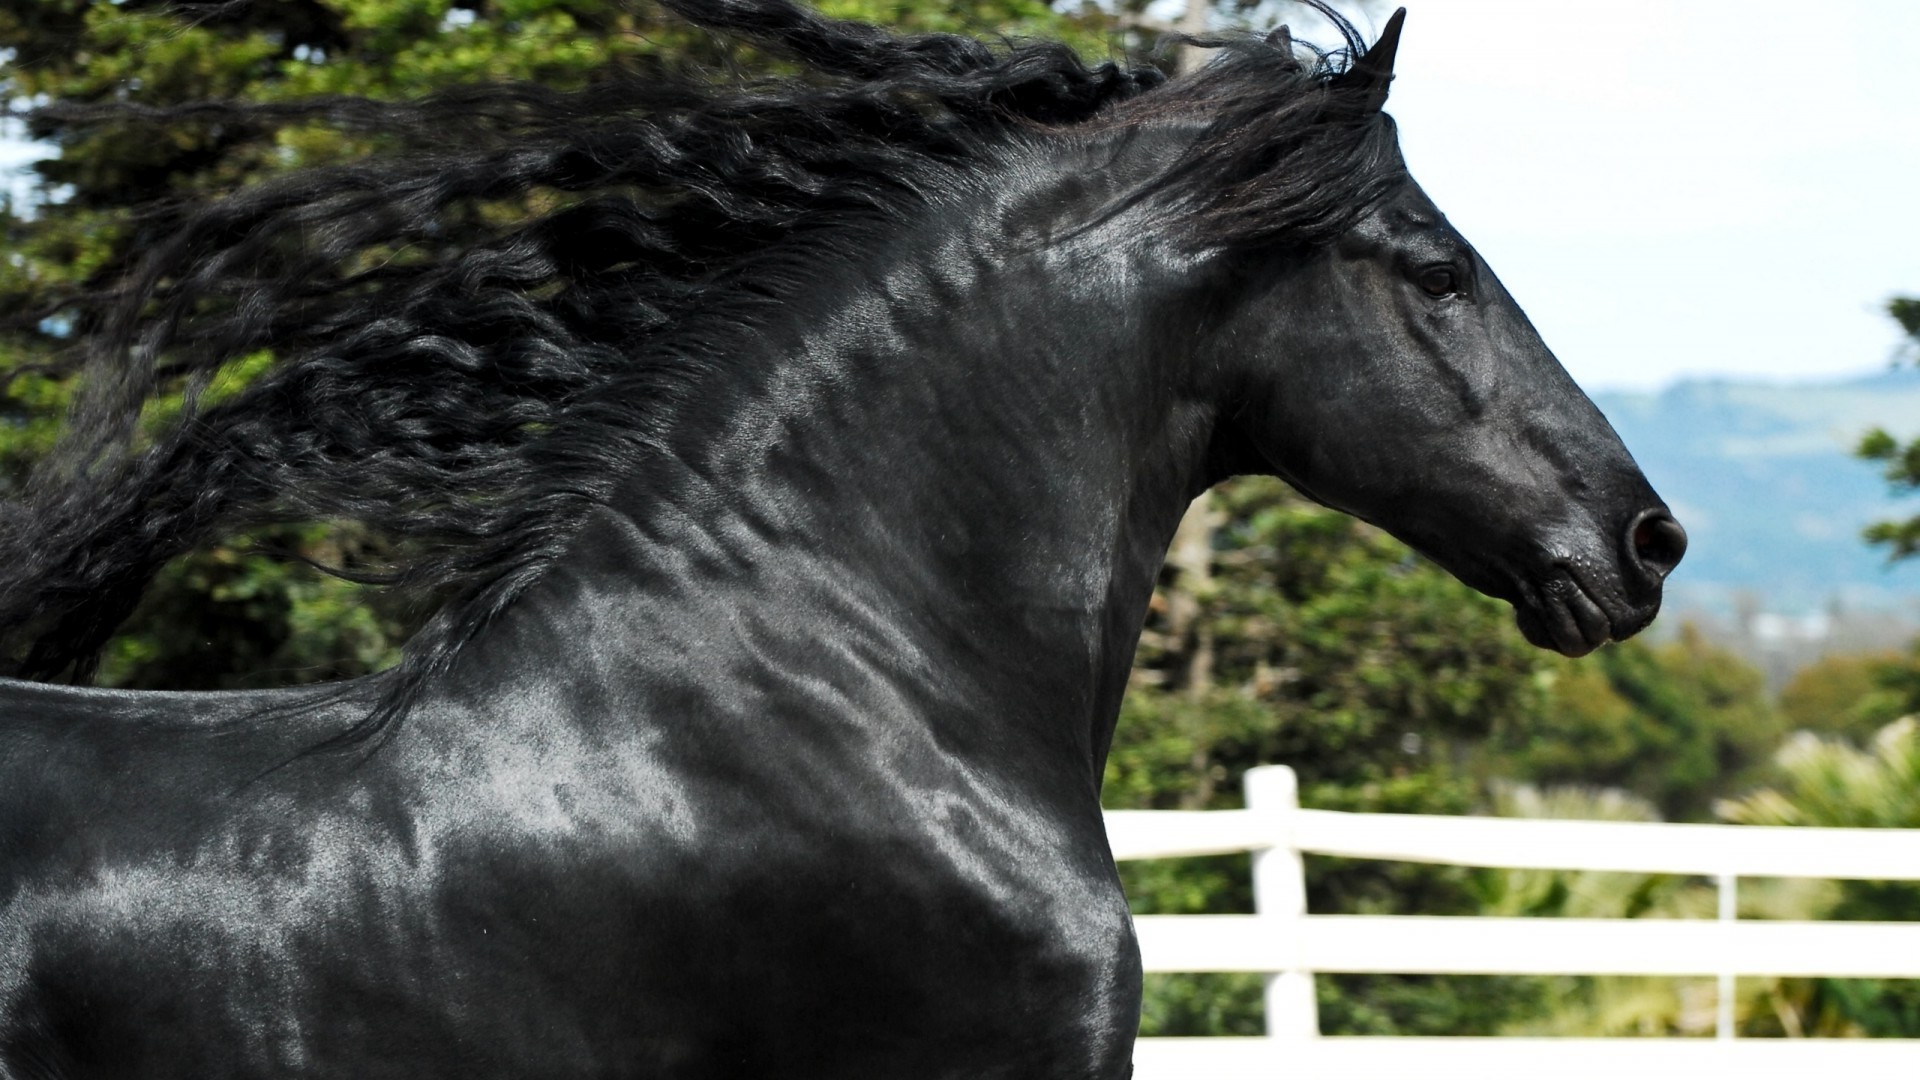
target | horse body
[
  {"x": 578, "y": 891},
  {"x": 811, "y": 730},
  {"x": 790, "y": 765}
]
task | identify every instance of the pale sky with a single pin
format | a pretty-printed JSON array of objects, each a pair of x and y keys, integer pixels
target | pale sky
[
  {"x": 1672, "y": 187},
  {"x": 1678, "y": 187}
]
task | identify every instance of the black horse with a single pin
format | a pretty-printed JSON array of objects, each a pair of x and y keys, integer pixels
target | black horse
[{"x": 798, "y": 484}]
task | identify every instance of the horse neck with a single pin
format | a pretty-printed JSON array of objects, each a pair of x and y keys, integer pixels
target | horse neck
[{"x": 962, "y": 461}]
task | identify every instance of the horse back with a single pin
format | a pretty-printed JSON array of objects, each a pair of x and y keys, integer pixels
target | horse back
[{"x": 99, "y": 769}]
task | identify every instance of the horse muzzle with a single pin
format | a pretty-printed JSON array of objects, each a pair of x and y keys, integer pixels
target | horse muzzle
[{"x": 1578, "y": 604}]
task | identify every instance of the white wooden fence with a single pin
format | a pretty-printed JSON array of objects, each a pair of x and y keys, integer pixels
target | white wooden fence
[{"x": 1288, "y": 945}]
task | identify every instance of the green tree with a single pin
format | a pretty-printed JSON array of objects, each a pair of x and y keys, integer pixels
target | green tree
[
  {"x": 233, "y": 615},
  {"x": 237, "y": 615},
  {"x": 1849, "y": 695},
  {"x": 1900, "y": 462},
  {"x": 1284, "y": 631},
  {"x": 1679, "y": 723}
]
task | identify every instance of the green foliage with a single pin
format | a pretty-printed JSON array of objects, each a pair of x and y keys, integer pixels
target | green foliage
[
  {"x": 1906, "y": 311},
  {"x": 1424, "y": 1005},
  {"x": 1597, "y": 1006},
  {"x": 1588, "y": 894},
  {"x": 1679, "y": 723},
  {"x": 1850, "y": 696},
  {"x": 1898, "y": 682},
  {"x": 1834, "y": 783},
  {"x": 1329, "y": 646},
  {"x": 1900, "y": 463},
  {"x": 234, "y": 616},
  {"x": 1087, "y": 29},
  {"x": 1298, "y": 634},
  {"x": 1217, "y": 1004}
]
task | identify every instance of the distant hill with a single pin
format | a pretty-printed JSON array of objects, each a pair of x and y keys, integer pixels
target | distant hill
[{"x": 1764, "y": 480}]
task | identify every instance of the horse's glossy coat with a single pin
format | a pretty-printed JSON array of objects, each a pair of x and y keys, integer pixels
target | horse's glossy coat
[{"x": 790, "y": 765}]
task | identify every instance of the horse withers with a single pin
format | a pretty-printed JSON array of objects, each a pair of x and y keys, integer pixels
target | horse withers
[{"x": 799, "y": 486}]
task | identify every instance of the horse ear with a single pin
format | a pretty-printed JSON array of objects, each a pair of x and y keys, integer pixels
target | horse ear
[
  {"x": 1374, "y": 70},
  {"x": 1282, "y": 41}
]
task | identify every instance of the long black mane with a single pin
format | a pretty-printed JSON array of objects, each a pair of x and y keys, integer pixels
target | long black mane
[{"x": 472, "y": 390}]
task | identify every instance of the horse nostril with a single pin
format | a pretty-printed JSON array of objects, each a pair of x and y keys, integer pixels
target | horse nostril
[{"x": 1658, "y": 542}]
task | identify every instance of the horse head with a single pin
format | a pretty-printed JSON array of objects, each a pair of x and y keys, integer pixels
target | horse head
[{"x": 1405, "y": 386}]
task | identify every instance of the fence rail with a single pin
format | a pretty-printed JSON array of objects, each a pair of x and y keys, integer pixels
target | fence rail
[
  {"x": 1351, "y": 1058},
  {"x": 1647, "y": 847},
  {"x": 1466, "y": 945},
  {"x": 1289, "y": 945}
]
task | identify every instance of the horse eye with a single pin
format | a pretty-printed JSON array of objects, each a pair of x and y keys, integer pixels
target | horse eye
[{"x": 1439, "y": 281}]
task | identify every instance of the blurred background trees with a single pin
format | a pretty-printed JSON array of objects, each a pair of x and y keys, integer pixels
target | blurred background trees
[
  {"x": 1282, "y": 631},
  {"x": 243, "y": 614},
  {"x": 234, "y": 615},
  {"x": 1835, "y": 782},
  {"x": 1900, "y": 461}
]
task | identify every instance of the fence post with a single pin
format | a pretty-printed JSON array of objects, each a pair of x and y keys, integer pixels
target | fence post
[
  {"x": 1723, "y": 1019},
  {"x": 1280, "y": 899}
]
